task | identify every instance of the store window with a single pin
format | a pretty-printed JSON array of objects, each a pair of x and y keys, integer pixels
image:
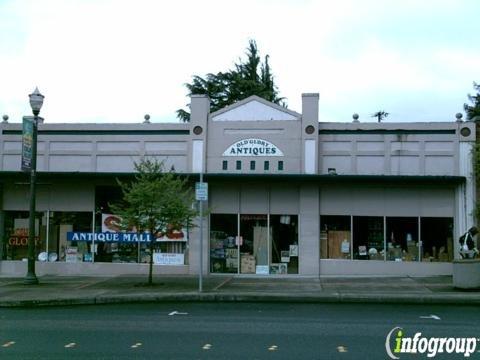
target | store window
[
  {"x": 251, "y": 246},
  {"x": 266, "y": 165},
  {"x": 252, "y": 165},
  {"x": 335, "y": 237},
  {"x": 239, "y": 165},
  {"x": 16, "y": 234},
  {"x": 60, "y": 223},
  {"x": 224, "y": 165},
  {"x": 223, "y": 246},
  {"x": 280, "y": 165},
  {"x": 437, "y": 239},
  {"x": 284, "y": 249},
  {"x": 402, "y": 239},
  {"x": 368, "y": 238}
]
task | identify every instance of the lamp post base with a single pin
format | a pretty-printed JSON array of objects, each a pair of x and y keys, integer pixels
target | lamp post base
[{"x": 30, "y": 279}]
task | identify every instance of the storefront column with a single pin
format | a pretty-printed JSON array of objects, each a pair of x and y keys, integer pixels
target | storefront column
[
  {"x": 194, "y": 247},
  {"x": 309, "y": 230},
  {"x": 2, "y": 225},
  {"x": 2, "y": 234}
]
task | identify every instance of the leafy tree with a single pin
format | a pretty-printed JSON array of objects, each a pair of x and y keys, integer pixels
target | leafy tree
[
  {"x": 249, "y": 77},
  {"x": 380, "y": 115},
  {"x": 473, "y": 111},
  {"x": 156, "y": 201}
]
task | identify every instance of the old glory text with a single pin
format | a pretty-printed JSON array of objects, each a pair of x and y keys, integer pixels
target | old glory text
[
  {"x": 253, "y": 147},
  {"x": 108, "y": 237}
]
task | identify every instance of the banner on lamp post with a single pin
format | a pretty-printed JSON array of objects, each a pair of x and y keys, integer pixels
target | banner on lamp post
[{"x": 27, "y": 143}]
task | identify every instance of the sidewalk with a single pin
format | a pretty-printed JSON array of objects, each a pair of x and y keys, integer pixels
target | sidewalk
[{"x": 75, "y": 290}]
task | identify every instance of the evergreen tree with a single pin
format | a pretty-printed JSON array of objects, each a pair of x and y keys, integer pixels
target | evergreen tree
[
  {"x": 473, "y": 111},
  {"x": 249, "y": 77}
]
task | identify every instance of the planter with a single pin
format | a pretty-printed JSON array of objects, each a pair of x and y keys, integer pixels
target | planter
[{"x": 466, "y": 274}]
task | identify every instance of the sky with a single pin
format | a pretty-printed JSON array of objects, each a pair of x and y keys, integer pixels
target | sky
[{"x": 115, "y": 61}]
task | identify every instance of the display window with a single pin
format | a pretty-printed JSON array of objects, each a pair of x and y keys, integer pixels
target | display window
[
  {"x": 58, "y": 247},
  {"x": 335, "y": 237},
  {"x": 169, "y": 248},
  {"x": 15, "y": 245},
  {"x": 254, "y": 244},
  {"x": 437, "y": 239},
  {"x": 368, "y": 238},
  {"x": 402, "y": 239},
  {"x": 223, "y": 245},
  {"x": 284, "y": 249}
]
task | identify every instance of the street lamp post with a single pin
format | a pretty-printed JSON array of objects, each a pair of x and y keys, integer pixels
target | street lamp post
[{"x": 36, "y": 102}]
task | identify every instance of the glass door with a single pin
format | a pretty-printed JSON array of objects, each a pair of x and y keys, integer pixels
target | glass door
[{"x": 254, "y": 244}]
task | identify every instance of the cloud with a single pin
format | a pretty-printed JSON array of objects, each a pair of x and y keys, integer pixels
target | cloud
[{"x": 114, "y": 61}]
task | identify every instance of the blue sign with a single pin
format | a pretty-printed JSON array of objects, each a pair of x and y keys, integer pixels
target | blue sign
[{"x": 108, "y": 237}]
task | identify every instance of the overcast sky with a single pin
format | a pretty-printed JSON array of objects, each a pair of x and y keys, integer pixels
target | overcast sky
[{"x": 114, "y": 61}]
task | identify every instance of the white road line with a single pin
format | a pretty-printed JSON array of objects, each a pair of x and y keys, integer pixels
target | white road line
[
  {"x": 434, "y": 317},
  {"x": 136, "y": 345},
  {"x": 70, "y": 345},
  {"x": 7, "y": 344},
  {"x": 207, "y": 346},
  {"x": 273, "y": 348},
  {"x": 177, "y": 313},
  {"x": 342, "y": 349}
]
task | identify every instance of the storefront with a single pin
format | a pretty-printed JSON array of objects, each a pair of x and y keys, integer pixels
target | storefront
[{"x": 287, "y": 195}]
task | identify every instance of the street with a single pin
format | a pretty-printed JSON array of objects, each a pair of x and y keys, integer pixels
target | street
[{"x": 224, "y": 330}]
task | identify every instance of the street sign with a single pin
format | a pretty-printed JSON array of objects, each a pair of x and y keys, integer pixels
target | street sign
[
  {"x": 27, "y": 143},
  {"x": 201, "y": 191}
]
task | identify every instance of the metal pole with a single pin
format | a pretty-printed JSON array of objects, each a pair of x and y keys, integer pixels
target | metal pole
[
  {"x": 48, "y": 235},
  {"x": 92, "y": 249},
  {"x": 31, "y": 278},
  {"x": 200, "y": 272}
]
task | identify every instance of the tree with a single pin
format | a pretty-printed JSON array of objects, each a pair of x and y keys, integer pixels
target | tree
[
  {"x": 380, "y": 115},
  {"x": 249, "y": 77},
  {"x": 157, "y": 202},
  {"x": 473, "y": 111}
]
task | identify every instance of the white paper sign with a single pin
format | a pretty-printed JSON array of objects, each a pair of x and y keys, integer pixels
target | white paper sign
[{"x": 168, "y": 259}]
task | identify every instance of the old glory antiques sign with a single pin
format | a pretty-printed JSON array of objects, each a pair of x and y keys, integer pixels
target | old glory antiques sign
[{"x": 253, "y": 147}]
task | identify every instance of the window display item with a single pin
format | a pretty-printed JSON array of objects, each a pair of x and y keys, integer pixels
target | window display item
[
  {"x": 52, "y": 257},
  {"x": 247, "y": 264},
  {"x": 42, "y": 256},
  {"x": 285, "y": 256},
  {"x": 293, "y": 250}
]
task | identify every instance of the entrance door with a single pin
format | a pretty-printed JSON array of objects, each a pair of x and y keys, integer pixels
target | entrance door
[{"x": 254, "y": 244}]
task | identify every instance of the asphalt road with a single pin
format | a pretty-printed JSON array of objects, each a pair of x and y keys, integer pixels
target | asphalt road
[{"x": 224, "y": 330}]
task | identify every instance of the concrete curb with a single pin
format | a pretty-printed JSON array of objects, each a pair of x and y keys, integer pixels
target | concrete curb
[{"x": 330, "y": 297}]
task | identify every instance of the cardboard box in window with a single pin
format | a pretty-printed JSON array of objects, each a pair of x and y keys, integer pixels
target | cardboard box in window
[
  {"x": 231, "y": 263},
  {"x": 247, "y": 264}
]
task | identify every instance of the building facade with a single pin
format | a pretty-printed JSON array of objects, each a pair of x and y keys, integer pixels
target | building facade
[{"x": 288, "y": 195}]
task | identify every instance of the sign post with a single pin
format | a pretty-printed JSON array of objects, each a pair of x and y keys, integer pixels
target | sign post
[{"x": 201, "y": 195}]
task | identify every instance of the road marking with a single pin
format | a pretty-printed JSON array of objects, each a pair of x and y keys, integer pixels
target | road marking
[
  {"x": 273, "y": 348},
  {"x": 207, "y": 346},
  {"x": 136, "y": 345},
  {"x": 7, "y": 344},
  {"x": 222, "y": 284},
  {"x": 70, "y": 345},
  {"x": 177, "y": 313},
  {"x": 342, "y": 349},
  {"x": 434, "y": 317}
]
